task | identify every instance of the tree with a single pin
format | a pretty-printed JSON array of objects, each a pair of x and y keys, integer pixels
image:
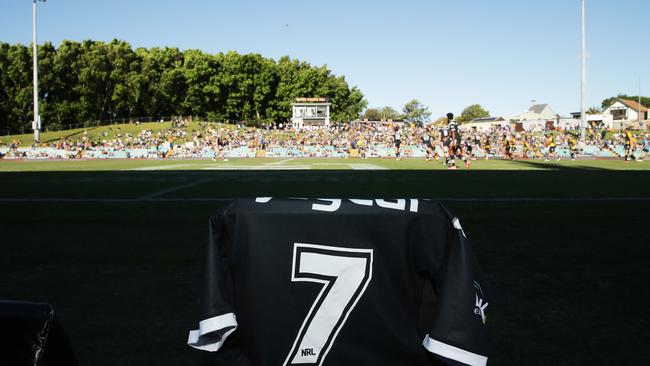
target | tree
[
  {"x": 93, "y": 80},
  {"x": 472, "y": 112},
  {"x": 372, "y": 114},
  {"x": 609, "y": 101},
  {"x": 415, "y": 112},
  {"x": 381, "y": 114},
  {"x": 390, "y": 113},
  {"x": 594, "y": 110}
]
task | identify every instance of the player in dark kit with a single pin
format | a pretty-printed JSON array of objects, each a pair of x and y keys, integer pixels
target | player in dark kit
[
  {"x": 455, "y": 141},
  {"x": 445, "y": 142},
  {"x": 397, "y": 140},
  {"x": 426, "y": 141},
  {"x": 348, "y": 282}
]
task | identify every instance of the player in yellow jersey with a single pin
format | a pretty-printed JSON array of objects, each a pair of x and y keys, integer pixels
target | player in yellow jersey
[
  {"x": 573, "y": 145},
  {"x": 527, "y": 147},
  {"x": 507, "y": 148},
  {"x": 630, "y": 145},
  {"x": 550, "y": 145},
  {"x": 487, "y": 147}
]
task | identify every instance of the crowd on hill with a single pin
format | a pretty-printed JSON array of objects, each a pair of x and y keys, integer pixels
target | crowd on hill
[{"x": 367, "y": 140}]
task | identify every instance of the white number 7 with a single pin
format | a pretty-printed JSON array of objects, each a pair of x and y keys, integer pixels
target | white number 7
[{"x": 345, "y": 274}]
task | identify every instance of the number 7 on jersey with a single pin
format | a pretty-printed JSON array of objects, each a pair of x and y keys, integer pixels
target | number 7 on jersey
[{"x": 344, "y": 274}]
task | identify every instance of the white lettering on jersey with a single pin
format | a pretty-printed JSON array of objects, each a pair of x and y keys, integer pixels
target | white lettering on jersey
[
  {"x": 334, "y": 205},
  {"x": 399, "y": 205},
  {"x": 362, "y": 202}
]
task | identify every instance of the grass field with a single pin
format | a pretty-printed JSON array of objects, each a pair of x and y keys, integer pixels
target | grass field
[
  {"x": 119, "y": 253},
  {"x": 100, "y": 132},
  {"x": 307, "y": 164}
]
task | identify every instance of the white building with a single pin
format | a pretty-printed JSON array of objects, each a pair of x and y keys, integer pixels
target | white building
[
  {"x": 624, "y": 112},
  {"x": 538, "y": 112},
  {"x": 485, "y": 123},
  {"x": 310, "y": 113},
  {"x": 537, "y": 118}
]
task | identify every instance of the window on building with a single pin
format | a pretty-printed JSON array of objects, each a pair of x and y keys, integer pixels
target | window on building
[
  {"x": 619, "y": 114},
  {"x": 299, "y": 112}
]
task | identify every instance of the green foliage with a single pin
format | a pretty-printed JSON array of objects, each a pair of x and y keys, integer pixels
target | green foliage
[
  {"x": 472, "y": 112},
  {"x": 415, "y": 112},
  {"x": 95, "y": 81},
  {"x": 382, "y": 114},
  {"x": 594, "y": 110},
  {"x": 609, "y": 101}
]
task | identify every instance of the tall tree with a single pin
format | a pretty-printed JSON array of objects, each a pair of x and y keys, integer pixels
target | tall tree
[
  {"x": 415, "y": 112},
  {"x": 472, "y": 112},
  {"x": 94, "y": 80}
]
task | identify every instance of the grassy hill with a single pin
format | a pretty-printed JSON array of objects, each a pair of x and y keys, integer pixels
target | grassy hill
[{"x": 104, "y": 132}]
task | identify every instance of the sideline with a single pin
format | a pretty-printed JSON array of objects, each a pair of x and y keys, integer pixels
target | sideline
[{"x": 144, "y": 199}]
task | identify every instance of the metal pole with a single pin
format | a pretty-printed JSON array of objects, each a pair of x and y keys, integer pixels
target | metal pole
[
  {"x": 639, "y": 111},
  {"x": 36, "y": 125},
  {"x": 583, "y": 92}
]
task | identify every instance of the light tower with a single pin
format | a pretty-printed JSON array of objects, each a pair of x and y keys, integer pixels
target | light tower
[
  {"x": 36, "y": 124},
  {"x": 583, "y": 82}
]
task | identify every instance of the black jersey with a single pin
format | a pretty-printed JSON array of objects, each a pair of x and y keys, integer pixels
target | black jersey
[
  {"x": 397, "y": 136},
  {"x": 341, "y": 282},
  {"x": 453, "y": 130},
  {"x": 444, "y": 133},
  {"x": 426, "y": 138}
]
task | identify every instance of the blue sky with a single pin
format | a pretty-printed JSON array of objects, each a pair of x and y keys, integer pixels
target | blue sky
[{"x": 448, "y": 54}]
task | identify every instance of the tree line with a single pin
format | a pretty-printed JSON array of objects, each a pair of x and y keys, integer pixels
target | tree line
[
  {"x": 415, "y": 112},
  {"x": 97, "y": 81}
]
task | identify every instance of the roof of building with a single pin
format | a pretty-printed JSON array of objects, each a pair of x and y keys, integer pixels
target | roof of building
[
  {"x": 538, "y": 108},
  {"x": 537, "y": 111},
  {"x": 488, "y": 119},
  {"x": 632, "y": 104}
]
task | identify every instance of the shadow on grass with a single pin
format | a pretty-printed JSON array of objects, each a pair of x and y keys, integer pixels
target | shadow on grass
[
  {"x": 72, "y": 134},
  {"x": 557, "y": 182},
  {"x": 542, "y": 165}
]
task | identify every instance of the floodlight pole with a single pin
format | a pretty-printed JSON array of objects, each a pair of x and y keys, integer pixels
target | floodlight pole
[
  {"x": 639, "y": 111},
  {"x": 583, "y": 83},
  {"x": 36, "y": 124}
]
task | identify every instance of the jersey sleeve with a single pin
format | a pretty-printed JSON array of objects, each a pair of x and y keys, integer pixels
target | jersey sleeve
[
  {"x": 218, "y": 319},
  {"x": 457, "y": 334}
]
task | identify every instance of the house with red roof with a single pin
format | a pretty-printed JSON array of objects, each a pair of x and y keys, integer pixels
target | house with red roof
[{"x": 626, "y": 112}]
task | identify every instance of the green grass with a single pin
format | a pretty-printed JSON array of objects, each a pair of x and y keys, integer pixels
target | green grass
[
  {"x": 307, "y": 164},
  {"x": 569, "y": 278},
  {"x": 95, "y": 132}
]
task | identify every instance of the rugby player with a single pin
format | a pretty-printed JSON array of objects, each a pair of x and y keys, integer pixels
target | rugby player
[{"x": 397, "y": 140}]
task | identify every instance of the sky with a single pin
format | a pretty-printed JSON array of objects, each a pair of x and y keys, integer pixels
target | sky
[{"x": 501, "y": 54}]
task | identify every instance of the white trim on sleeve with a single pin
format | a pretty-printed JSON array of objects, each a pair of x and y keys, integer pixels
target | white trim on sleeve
[
  {"x": 200, "y": 338},
  {"x": 453, "y": 353}
]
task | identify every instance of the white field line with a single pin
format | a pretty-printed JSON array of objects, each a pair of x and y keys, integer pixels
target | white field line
[
  {"x": 163, "y": 200},
  {"x": 162, "y": 167},
  {"x": 280, "y": 162},
  {"x": 258, "y": 167},
  {"x": 169, "y": 190},
  {"x": 366, "y": 167}
]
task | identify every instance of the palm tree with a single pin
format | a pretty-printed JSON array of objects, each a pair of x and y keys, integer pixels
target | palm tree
[{"x": 594, "y": 110}]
